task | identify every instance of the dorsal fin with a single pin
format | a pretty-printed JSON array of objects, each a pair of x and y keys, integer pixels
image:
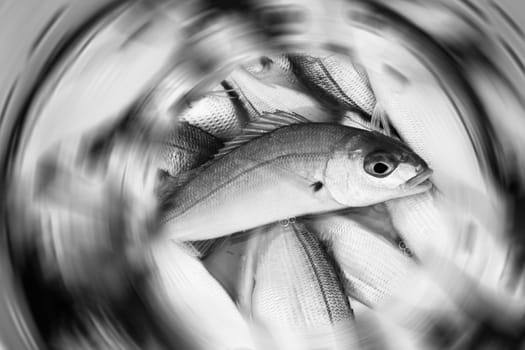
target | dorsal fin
[
  {"x": 266, "y": 123},
  {"x": 379, "y": 120}
]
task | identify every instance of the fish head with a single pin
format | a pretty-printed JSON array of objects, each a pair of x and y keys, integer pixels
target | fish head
[{"x": 368, "y": 168}]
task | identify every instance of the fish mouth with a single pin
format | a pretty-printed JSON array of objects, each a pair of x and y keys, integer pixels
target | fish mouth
[{"x": 418, "y": 179}]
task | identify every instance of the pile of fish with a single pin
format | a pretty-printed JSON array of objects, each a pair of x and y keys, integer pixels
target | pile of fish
[{"x": 299, "y": 209}]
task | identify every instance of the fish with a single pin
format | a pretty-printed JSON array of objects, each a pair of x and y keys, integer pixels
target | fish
[
  {"x": 384, "y": 276},
  {"x": 336, "y": 80},
  {"x": 233, "y": 263},
  {"x": 284, "y": 166},
  {"x": 261, "y": 95},
  {"x": 298, "y": 296},
  {"x": 187, "y": 302},
  {"x": 372, "y": 266},
  {"x": 216, "y": 113},
  {"x": 466, "y": 226},
  {"x": 423, "y": 114},
  {"x": 186, "y": 148},
  {"x": 275, "y": 69}
]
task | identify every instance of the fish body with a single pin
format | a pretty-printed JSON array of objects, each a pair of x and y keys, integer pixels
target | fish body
[
  {"x": 189, "y": 304},
  {"x": 298, "y": 296},
  {"x": 262, "y": 95},
  {"x": 384, "y": 277},
  {"x": 293, "y": 170},
  {"x": 186, "y": 148},
  {"x": 275, "y": 69},
  {"x": 371, "y": 265},
  {"x": 215, "y": 113},
  {"x": 336, "y": 80},
  {"x": 232, "y": 264}
]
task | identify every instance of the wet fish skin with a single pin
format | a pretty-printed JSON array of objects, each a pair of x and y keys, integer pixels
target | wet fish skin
[
  {"x": 260, "y": 95},
  {"x": 372, "y": 266},
  {"x": 275, "y": 69},
  {"x": 298, "y": 296},
  {"x": 383, "y": 277},
  {"x": 276, "y": 175},
  {"x": 336, "y": 80},
  {"x": 189, "y": 304},
  {"x": 186, "y": 148},
  {"x": 215, "y": 113}
]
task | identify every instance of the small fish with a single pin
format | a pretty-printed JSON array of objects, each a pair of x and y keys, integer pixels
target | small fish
[
  {"x": 382, "y": 275},
  {"x": 259, "y": 96},
  {"x": 186, "y": 148},
  {"x": 233, "y": 265},
  {"x": 336, "y": 80},
  {"x": 372, "y": 266},
  {"x": 424, "y": 114},
  {"x": 216, "y": 114},
  {"x": 275, "y": 69},
  {"x": 186, "y": 301},
  {"x": 298, "y": 296},
  {"x": 283, "y": 167}
]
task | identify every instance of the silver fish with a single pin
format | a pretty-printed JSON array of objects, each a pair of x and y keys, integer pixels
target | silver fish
[
  {"x": 423, "y": 114},
  {"x": 473, "y": 210},
  {"x": 336, "y": 80},
  {"x": 188, "y": 302},
  {"x": 298, "y": 296},
  {"x": 233, "y": 265},
  {"x": 259, "y": 96},
  {"x": 275, "y": 69},
  {"x": 383, "y": 277},
  {"x": 216, "y": 114},
  {"x": 372, "y": 266},
  {"x": 286, "y": 167},
  {"x": 186, "y": 148}
]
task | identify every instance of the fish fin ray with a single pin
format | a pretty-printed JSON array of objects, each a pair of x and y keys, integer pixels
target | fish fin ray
[
  {"x": 267, "y": 123},
  {"x": 380, "y": 121}
]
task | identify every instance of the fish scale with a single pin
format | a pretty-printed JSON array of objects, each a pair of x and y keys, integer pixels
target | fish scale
[
  {"x": 240, "y": 189},
  {"x": 336, "y": 80},
  {"x": 216, "y": 114},
  {"x": 275, "y": 69},
  {"x": 190, "y": 304},
  {"x": 306, "y": 296},
  {"x": 371, "y": 265},
  {"x": 265, "y": 94},
  {"x": 186, "y": 148}
]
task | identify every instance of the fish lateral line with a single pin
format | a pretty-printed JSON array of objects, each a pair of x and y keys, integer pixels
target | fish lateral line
[{"x": 257, "y": 164}]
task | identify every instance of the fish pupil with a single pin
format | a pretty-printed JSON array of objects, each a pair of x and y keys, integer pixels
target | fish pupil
[
  {"x": 317, "y": 186},
  {"x": 380, "y": 168}
]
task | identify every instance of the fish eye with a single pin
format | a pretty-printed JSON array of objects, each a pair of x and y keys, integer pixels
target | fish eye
[
  {"x": 379, "y": 164},
  {"x": 381, "y": 168}
]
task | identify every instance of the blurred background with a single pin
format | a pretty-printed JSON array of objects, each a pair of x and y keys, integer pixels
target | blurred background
[{"x": 91, "y": 90}]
